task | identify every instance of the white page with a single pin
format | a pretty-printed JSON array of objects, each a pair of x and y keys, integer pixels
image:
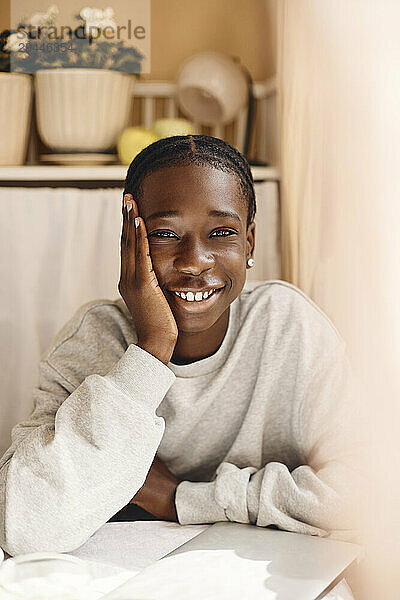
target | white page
[
  {"x": 134, "y": 545},
  {"x": 120, "y": 550}
]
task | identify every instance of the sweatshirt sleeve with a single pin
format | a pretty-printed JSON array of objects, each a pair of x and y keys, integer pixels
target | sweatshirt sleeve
[
  {"x": 81, "y": 456},
  {"x": 316, "y": 498}
]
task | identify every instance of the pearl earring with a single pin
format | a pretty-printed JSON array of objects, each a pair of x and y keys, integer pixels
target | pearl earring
[{"x": 250, "y": 262}]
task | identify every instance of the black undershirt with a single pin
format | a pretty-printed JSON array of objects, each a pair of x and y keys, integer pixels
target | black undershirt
[{"x": 133, "y": 513}]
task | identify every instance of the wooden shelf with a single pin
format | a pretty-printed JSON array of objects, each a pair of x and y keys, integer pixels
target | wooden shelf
[{"x": 97, "y": 173}]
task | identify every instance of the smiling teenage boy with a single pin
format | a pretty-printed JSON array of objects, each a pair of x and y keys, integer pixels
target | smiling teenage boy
[{"x": 194, "y": 396}]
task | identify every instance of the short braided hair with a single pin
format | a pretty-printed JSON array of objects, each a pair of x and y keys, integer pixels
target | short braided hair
[{"x": 188, "y": 149}]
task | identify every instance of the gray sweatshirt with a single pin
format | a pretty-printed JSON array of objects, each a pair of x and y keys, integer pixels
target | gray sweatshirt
[{"x": 256, "y": 432}]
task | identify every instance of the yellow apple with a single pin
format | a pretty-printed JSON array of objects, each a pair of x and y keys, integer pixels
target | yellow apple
[
  {"x": 132, "y": 141},
  {"x": 167, "y": 127}
]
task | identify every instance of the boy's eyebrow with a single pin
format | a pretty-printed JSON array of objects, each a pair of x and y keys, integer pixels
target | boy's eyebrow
[{"x": 211, "y": 213}]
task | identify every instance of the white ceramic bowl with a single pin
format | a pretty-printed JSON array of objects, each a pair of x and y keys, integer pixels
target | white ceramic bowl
[{"x": 211, "y": 88}]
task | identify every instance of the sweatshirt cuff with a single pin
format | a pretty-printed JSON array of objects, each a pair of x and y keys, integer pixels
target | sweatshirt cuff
[
  {"x": 141, "y": 376},
  {"x": 195, "y": 503}
]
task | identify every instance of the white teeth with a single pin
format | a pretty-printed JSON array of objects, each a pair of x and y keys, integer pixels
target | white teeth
[{"x": 189, "y": 296}]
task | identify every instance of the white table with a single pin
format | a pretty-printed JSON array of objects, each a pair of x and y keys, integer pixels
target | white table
[{"x": 130, "y": 559}]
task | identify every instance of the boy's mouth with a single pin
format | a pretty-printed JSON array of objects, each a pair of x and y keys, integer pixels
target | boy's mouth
[{"x": 196, "y": 301}]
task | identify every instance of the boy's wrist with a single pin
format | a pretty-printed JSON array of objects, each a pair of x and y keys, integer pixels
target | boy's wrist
[{"x": 160, "y": 351}]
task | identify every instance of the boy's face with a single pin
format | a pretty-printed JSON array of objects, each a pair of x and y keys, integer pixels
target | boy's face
[{"x": 192, "y": 249}]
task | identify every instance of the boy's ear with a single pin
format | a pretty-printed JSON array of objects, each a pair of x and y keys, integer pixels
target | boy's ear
[{"x": 251, "y": 236}]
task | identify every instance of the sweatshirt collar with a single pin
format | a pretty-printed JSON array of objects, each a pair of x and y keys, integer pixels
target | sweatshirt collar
[{"x": 216, "y": 360}]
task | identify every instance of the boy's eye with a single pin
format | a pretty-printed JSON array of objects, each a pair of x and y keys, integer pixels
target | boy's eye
[
  {"x": 160, "y": 234},
  {"x": 230, "y": 232},
  {"x": 168, "y": 234}
]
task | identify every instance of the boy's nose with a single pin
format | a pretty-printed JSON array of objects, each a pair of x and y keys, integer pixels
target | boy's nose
[{"x": 194, "y": 258}]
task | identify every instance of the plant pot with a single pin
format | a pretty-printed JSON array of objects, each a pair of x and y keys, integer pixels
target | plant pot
[
  {"x": 82, "y": 109},
  {"x": 15, "y": 115}
]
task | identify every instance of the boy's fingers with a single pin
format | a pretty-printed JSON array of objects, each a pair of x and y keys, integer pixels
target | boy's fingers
[
  {"x": 123, "y": 244},
  {"x": 124, "y": 200},
  {"x": 144, "y": 265},
  {"x": 130, "y": 249},
  {"x": 124, "y": 221},
  {"x": 129, "y": 238},
  {"x": 131, "y": 207}
]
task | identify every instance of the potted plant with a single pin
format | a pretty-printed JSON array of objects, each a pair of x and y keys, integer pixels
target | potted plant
[
  {"x": 83, "y": 81},
  {"x": 15, "y": 106}
]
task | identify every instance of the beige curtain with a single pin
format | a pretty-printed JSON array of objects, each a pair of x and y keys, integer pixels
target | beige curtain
[
  {"x": 339, "y": 99},
  {"x": 59, "y": 248}
]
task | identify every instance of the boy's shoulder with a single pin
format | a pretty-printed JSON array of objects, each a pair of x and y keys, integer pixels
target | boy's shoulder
[
  {"x": 286, "y": 302},
  {"x": 92, "y": 340},
  {"x": 283, "y": 290}
]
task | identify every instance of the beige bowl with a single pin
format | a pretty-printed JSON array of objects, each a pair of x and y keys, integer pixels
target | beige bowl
[
  {"x": 15, "y": 116},
  {"x": 82, "y": 110}
]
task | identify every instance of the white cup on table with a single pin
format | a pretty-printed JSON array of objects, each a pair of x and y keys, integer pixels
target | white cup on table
[{"x": 44, "y": 575}]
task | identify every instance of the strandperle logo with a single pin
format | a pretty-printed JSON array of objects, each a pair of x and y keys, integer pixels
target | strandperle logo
[
  {"x": 94, "y": 27},
  {"x": 96, "y": 41}
]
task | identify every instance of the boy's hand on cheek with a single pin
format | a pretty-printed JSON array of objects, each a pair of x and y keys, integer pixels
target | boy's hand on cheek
[
  {"x": 157, "y": 495},
  {"x": 155, "y": 325}
]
